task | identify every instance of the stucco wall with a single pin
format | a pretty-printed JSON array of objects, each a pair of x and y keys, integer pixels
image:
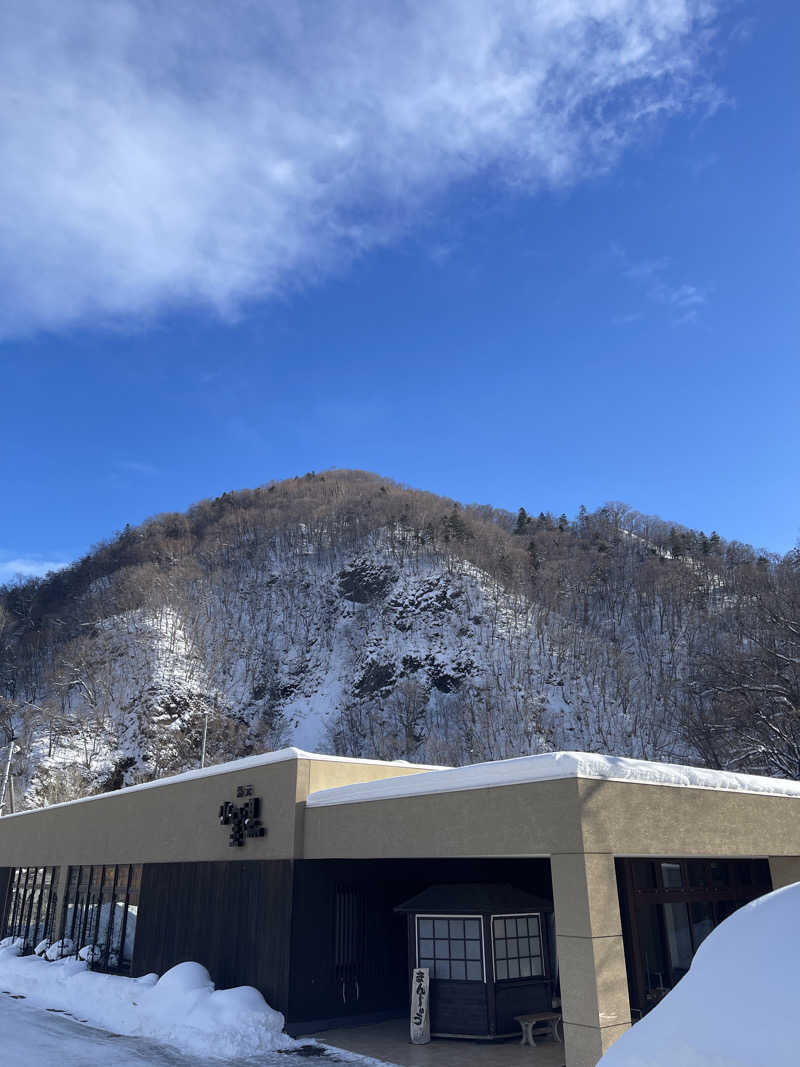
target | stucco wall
[
  {"x": 564, "y": 816},
  {"x": 178, "y": 821},
  {"x": 514, "y": 820},
  {"x": 627, "y": 818},
  {"x": 167, "y": 823},
  {"x": 327, "y": 774}
]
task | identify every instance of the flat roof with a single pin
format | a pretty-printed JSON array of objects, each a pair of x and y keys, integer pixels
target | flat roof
[{"x": 551, "y": 766}]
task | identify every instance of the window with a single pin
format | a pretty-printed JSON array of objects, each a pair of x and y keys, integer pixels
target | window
[
  {"x": 451, "y": 947},
  {"x": 31, "y": 905},
  {"x": 679, "y": 939},
  {"x": 100, "y": 908},
  {"x": 690, "y": 877},
  {"x": 671, "y": 875},
  {"x": 720, "y": 874},
  {"x": 670, "y": 906},
  {"x": 125, "y": 927},
  {"x": 517, "y": 947},
  {"x": 644, "y": 873},
  {"x": 116, "y": 917},
  {"x": 745, "y": 874},
  {"x": 728, "y": 907},
  {"x": 702, "y": 914},
  {"x": 697, "y": 871},
  {"x": 77, "y": 905}
]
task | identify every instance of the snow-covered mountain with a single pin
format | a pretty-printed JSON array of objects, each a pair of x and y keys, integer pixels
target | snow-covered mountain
[{"x": 341, "y": 612}]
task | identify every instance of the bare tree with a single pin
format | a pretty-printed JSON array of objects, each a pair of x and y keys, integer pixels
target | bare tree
[{"x": 746, "y": 706}]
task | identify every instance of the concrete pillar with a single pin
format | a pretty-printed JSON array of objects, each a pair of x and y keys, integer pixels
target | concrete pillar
[
  {"x": 784, "y": 870},
  {"x": 594, "y": 984}
]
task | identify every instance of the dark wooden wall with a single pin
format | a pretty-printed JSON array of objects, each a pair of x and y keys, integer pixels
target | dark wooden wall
[
  {"x": 234, "y": 918},
  {"x": 322, "y": 991},
  {"x": 459, "y": 1008},
  {"x": 379, "y": 984},
  {"x": 519, "y": 998}
]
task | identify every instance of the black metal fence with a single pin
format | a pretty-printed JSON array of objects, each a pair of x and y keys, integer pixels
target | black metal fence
[
  {"x": 98, "y": 913},
  {"x": 31, "y": 905}
]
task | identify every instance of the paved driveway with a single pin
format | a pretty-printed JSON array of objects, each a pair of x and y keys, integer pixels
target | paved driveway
[{"x": 31, "y": 1037}]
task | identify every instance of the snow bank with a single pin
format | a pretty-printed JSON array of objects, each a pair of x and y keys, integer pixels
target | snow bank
[
  {"x": 738, "y": 1004},
  {"x": 181, "y": 1008},
  {"x": 550, "y": 766}
]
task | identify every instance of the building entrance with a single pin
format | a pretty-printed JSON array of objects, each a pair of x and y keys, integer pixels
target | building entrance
[{"x": 352, "y": 952}]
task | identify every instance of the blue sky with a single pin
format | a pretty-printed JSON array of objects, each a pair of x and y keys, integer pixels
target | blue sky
[{"x": 505, "y": 252}]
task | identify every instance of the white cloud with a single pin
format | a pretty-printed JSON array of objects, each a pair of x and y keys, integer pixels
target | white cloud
[
  {"x": 628, "y": 319},
  {"x": 652, "y": 276},
  {"x": 198, "y": 152},
  {"x": 27, "y": 567},
  {"x": 135, "y": 466},
  {"x": 681, "y": 296}
]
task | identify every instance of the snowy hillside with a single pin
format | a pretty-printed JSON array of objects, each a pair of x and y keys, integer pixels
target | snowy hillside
[{"x": 342, "y": 613}]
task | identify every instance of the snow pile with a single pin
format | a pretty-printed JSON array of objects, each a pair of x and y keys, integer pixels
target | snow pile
[
  {"x": 58, "y": 950},
  {"x": 182, "y": 1008},
  {"x": 550, "y": 766},
  {"x": 737, "y": 1006}
]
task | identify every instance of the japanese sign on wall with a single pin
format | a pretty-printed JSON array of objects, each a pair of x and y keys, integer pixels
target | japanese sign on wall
[
  {"x": 244, "y": 819},
  {"x": 420, "y": 1015}
]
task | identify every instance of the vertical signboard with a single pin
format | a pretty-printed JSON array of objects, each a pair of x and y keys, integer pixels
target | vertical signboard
[{"x": 420, "y": 1006}]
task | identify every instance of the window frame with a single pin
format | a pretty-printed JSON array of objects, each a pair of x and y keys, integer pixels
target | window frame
[
  {"x": 542, "y": 953},
  {"x": 450, "y": 916},
  {"x": 741, "y": 880}
]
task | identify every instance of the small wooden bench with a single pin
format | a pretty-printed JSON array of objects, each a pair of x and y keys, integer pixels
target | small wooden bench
[{"x": 535, "y": 1018}]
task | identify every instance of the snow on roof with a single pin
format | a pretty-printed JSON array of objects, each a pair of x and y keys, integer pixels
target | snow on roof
[
  {"x": 248, "y": 763},
  {"x": 551, "y": 766}
]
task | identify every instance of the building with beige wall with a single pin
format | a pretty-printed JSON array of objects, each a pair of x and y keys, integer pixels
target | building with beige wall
[{"x": 285, "y": 871}]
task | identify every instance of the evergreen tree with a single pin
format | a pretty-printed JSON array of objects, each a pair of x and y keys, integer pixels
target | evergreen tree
[
  {"x": 534, "y": 555},
  {"x": 675, "y": 543},
  {"x": 523, "y": 521},
  {"x": 582, "y": 522},
  {"x": 455, "y": 526}
]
